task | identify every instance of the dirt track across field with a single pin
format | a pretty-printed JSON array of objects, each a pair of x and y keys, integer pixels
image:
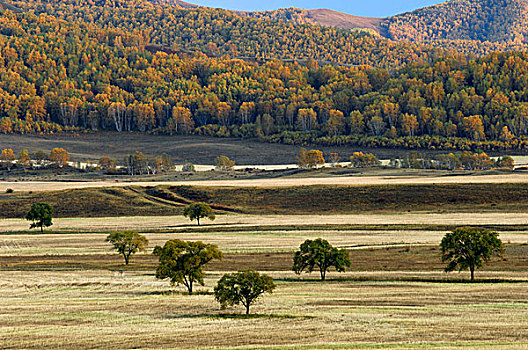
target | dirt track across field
[{"x": 44, "y": 186}]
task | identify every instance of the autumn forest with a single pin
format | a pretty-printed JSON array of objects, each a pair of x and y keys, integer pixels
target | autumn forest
[{"x": 88, "y": 65}]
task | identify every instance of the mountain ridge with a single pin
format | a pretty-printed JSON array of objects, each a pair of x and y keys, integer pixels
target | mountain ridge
[
  {"x": 468, "y": 26},
  {"x": 321, "y": 16}
]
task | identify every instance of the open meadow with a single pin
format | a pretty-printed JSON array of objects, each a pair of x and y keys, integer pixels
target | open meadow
[
  {"x": 194, "y": 177},
  {"x": 64, "y": 289},
  {"x": 194, "y": 149},
  {"x": 47, "y": 186}
]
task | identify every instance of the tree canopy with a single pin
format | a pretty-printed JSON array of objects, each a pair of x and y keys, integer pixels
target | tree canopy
[
  {"x": 41, "y": 214},
  {"x": 127, "y": 243},
  {"x": 59, "y": 156},
  {"x": 224, "y": 163},
  {"x": 183, "y": 261},
  {"x": 321, "y": 255},
  {"x": 197, "y": 211},
  {"x": 108, "y": 65},
  {"x": 469, "y": 247},
  {"x": 469, "y": 26},
  {"x": 242, "y": 287}
]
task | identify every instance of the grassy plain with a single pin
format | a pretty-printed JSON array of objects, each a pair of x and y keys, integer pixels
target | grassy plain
[
  {"x": 319, "y": 178},
  {"x": 64, "y": 289},
  {"x": 194, "y": 149}
]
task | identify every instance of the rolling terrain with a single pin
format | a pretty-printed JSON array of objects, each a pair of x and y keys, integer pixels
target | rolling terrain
[
  {"x": 324, "y": 17},
  {"x": 72, "y": 71},
  {"x": 468, "y": 26},
  {"x": 278, "y": 88},
  {"x": 295, "y": 197},
  {"x": 395, "y": 295}
]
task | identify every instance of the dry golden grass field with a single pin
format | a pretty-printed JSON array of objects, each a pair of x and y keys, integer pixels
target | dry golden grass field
[
  {"x": 63, "y": 289},
  {"x": 46, "y": 186},
  {"x": 180, "y": 223}
]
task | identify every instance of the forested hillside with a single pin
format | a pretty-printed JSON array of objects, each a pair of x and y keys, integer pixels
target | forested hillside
[
  {"x": 482, "y": 20},
  {"x": 220, "y": 32},
  {"x": 467, "y": 26},
  {"x": 77, "y": 74},
  {"x": 474, "y": 26}
]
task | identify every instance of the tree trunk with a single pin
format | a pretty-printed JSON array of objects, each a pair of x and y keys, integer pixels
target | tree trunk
[
  {"x": 247, "y": 309},
  {"x": 198, "y": 219},
  {"x": 323, "y": 274},
  {"x": 126, "y": 259},
  {"x": 472, "y": 269},
  {"x": 190, "y": 288},
  {"x": 41, "y": 228}
]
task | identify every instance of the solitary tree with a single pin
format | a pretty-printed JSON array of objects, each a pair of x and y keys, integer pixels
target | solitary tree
[
  {"x": 127, "y": 243},
  {"x": 243, "y": 287},
  {"x": 41, "y": 214},
  {"x": 319, "y": 254},
  {"x": 196, "y": 211},
  {"x": 59, "y": 156},
  {"x": 310, "y": 159},
  {"x": 183, "y": 261},
  {"x": 468, "y": 247},
  {"x": 224, "y": 163},
  {"x": 7, "y": 157},
  {"x": 23, "y": 158}
]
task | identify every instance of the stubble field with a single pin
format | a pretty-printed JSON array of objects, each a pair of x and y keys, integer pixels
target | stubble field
[
  {"x": 413, "y": 179},
  {"x": 65, "y": 289}
]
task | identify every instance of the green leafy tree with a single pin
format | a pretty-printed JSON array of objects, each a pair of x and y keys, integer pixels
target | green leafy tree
[
  {"x": 183, "y": 261},
  {"x": 41, "y": 214},
  {"x": 127, "y": 243},
  {"x": 196, "y": 211},
  {"x": 242, "y": 287},
  {"x": 319, "y": 254},
  {"x": 468, "y": 247}
]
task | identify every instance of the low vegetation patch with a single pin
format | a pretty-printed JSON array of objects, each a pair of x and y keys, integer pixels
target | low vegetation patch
[{"x": 324, "y": 199}]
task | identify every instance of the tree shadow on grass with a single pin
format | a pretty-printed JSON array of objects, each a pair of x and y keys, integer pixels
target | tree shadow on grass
[
  {"x": 174, "y": 292},
  {"x": 404, "y": 279},
  {"x": 201, "y": 226},
  {"x": 240, "y": 316}
]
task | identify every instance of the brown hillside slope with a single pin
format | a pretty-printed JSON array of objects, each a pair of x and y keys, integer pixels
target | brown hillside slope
[
  {"x": 324, "y": 17},
  {"x": 6, "y": 6},
  {"x": 344, "y": 20},
  {"x": 178, "y": 3}
]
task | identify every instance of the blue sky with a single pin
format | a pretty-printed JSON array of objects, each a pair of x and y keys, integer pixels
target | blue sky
[{"x": 372, "y": 8}]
